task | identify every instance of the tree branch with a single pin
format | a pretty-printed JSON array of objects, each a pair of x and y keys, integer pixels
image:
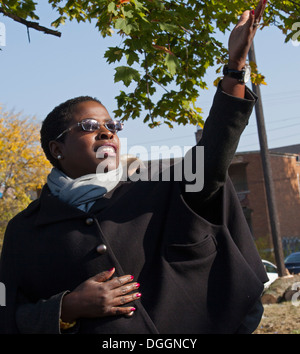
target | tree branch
[
  {"x": 147, "y": 83},
  {"x": 30, "y": 24},
  {"x": 294, "y": 2}
]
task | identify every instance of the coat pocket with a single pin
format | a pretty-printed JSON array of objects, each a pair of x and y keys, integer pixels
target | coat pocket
[{"x": 191, "y": 251}]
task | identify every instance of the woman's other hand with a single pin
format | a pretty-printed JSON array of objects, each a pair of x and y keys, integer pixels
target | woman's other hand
[
  {"x": 100, "y": 296},
  {"x": 242, "y": 35},
  {"x": 240, "y": 41}
]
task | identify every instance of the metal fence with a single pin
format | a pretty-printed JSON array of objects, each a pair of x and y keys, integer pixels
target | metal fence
[{"x": 290, "y": 245}]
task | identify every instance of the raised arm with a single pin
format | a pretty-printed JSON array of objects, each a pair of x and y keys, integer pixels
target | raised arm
[
  {"x": 239, "y": 44},
  {"x": 228, "y": 117}
]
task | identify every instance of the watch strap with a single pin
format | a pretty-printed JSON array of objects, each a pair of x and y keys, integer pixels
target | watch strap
[{"x": 236, "y": 74}]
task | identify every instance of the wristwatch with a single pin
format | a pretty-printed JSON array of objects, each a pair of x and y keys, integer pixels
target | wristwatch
[{"x": 242, "y": 76}]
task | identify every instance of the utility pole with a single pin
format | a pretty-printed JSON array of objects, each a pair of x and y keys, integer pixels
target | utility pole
[{"x": 269, "y": 185}]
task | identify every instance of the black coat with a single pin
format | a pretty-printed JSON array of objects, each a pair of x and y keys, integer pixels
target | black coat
[{"x": 194, "y": 256}]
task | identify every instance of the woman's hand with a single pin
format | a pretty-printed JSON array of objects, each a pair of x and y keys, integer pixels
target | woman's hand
[
  {"x": 98, "y": 297},
  {"x": 240, "y": 41},
  {"x": 242, "y": 36}
]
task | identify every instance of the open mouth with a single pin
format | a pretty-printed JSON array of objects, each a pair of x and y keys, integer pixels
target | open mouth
[{"x": 105, "y": 151}]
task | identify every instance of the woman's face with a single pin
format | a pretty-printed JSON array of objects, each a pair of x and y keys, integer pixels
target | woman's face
[{"x": 83, "y": 151}]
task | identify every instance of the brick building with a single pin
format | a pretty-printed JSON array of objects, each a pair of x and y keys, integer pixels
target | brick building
[{"x": 247, "y": 175}]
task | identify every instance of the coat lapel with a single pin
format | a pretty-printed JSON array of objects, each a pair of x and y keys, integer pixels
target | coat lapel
[{"x": 53, "y": 210}]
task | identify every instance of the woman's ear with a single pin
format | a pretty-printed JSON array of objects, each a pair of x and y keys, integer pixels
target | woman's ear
[{"x": 55, "y": 149}]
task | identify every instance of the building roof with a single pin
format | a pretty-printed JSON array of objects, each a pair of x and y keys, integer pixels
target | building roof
[
  {"x": 283, "y": 150},
  {"x": 290, "y": 149}
]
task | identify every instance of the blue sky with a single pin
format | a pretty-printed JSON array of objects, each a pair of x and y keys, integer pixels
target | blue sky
[{"x": 37, "y": 76}]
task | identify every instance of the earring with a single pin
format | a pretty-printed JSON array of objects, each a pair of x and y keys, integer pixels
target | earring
[{"x": 59, "y": 157}]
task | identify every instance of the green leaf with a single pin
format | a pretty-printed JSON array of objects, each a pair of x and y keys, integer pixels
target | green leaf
[
  {"x": 168, "y": 27},
  {"x": 121, "y": 24},
  {"x": 132, "y": 57},
  {"x": 124, "y": 25},
  {"x": 128, "y": 14},
  {"x": 172, "y": 63},
  {"x": 59, "y": 21},
  {"x": 126, "y": 74},
  {"x": 113, "y": 54},
  {"x": 139, "y": 6},
  {"x": 112, "y": 8}
]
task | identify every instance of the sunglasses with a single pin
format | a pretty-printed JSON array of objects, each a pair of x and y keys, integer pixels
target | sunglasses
[{"x": 91, "y": 125}]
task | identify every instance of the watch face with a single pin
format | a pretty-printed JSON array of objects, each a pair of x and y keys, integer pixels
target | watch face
[{"x": 247, "y": 73}]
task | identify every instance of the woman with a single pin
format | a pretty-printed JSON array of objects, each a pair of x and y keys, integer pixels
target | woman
[{"x": 95, "y": 255}]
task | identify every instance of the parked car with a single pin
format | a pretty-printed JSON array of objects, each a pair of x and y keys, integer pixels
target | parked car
[
  {"x": 272, "y": 272},
  {"x": 292, "y": 263}
]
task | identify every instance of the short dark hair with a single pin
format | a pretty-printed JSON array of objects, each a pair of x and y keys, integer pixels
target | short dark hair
[{"x": 57, "y": 121}]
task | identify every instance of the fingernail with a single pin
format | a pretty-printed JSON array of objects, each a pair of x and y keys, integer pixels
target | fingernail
[
  {"x": 265, "y": 2},
  {"x": 128, "y": 315},
  {"x": 137, "y": 285},
  {"x": 111, "y": 269},
  {"x": 131, "y": 277},
  {"x": 138, "y": 295},
  {"x": 252, "y": 12}
]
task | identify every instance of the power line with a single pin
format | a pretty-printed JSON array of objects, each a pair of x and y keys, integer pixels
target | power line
[
  {"x": 244, "y": 135},
  {"x": 274, "y": 139},
  {"x": 274, "y": 129},
  {"x": 287, "y": 136},
  {"x": 277, "y": 97},
  {"x": 167, "y": 139},
  {"x": 253, "y": 124}
]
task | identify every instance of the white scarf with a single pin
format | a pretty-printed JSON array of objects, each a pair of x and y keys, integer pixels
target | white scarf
[{"x": 82, "y": 192}]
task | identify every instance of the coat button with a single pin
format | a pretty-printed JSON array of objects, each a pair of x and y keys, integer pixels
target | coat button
[
  {"x": 89, "y": 221},
  {"x": 101, "y": 249}
]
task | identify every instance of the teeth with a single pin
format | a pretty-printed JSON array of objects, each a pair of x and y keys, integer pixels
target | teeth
[{"x": 104, "y": 150}]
